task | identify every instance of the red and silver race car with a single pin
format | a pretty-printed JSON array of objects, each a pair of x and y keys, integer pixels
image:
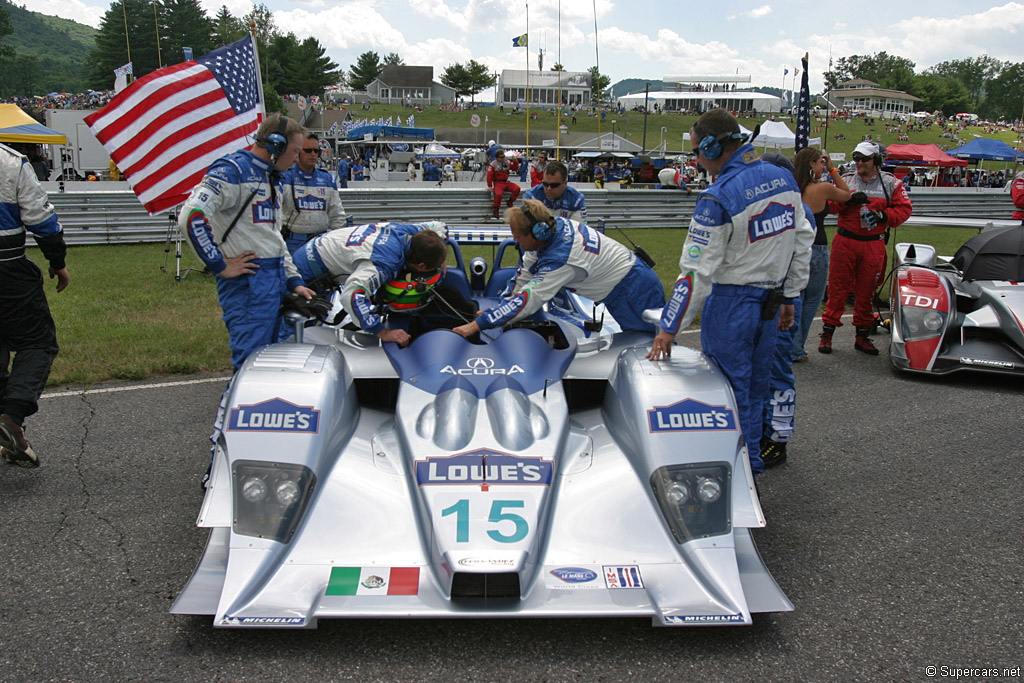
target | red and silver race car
[{"x": 965, "y": 313}]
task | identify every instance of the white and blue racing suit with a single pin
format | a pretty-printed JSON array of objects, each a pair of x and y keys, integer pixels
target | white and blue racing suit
[
  {"x": 583, "y": 260},
  {"x": 239, "y": 186},
  {"x": 571, "y": 204},
  {"x": 361, "y": 259},
  {"x": 310, "y": 205},
  {"x": 748, "y": 235}
]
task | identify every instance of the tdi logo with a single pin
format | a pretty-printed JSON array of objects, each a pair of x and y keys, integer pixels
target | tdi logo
[
  {"x": 775, "y": 219},
  {"x": 919, "y": 301},
  {"x": 481, "y": 366},
  {"x": 274, "y": 415},
  {"x": 690, "y": 416},
  {"x": 263, "y": 212},
  {"x": 483, "y": 466},
  {"x": 311, "y": 203}
]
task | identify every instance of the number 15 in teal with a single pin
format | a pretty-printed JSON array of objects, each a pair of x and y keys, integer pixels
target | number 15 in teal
[{"x": 461, "y": 511}]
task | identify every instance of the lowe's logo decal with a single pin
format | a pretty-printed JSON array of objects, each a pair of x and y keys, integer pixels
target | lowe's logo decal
[
  {"x": 774, "y": 220},
  {"x": 691, "y": 416},
  {"x": 311, "y": 203},
  {"x": 482, "y": 467},
  {"x": 263, "y": 212},
  {"x": 274, "y": 415},
  {"x": 574, "y": 574},
  {"x": 705, "y": 619}
]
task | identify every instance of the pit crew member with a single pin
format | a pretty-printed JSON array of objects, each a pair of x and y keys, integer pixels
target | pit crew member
[
  {"x": 364, "y": 258},
  {"x": 557, "y": 253},
  {"x": 26, "y": 326},
  {"x": 858, "y": 249},
  {"x": 554, "y": 193},
  {"x": 497, "y": 178},
  {"x": 749, "y": 245},
  {"x": 233, "y": 223},
  {"x": 310, "y": 203}
]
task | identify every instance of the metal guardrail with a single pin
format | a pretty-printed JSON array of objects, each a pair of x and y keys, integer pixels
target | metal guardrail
[{"x": 115, "y": 216}]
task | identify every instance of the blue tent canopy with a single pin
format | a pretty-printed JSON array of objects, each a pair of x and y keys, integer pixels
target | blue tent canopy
[
  {"x": 985, "y": 149},
  {"x": 391, "y": 132}
]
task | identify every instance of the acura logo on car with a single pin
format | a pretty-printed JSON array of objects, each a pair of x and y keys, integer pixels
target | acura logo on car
[{"x": 480, "y": 365}]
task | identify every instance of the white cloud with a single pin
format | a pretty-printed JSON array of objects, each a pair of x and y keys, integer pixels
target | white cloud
[
  {"x": 929, "y": 40},
  {"x": 756, "y": 13},
  {"x": 75, "y": 10},
  {"x": 356, "y": 27}
]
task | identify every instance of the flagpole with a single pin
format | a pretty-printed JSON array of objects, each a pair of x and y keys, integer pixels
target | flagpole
[
  {"x": 262, "y": 106},
  {"x": 827, "y": 91},
  {"x": 156, "y": 25},
  {"x": 527, "y": 152},
  {"x": 597, "y": 79},
  {"x": 124, "y": 12},
  {"x": 558, "y": 115}
]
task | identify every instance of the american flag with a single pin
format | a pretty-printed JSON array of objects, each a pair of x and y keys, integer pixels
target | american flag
[
  {"x": 165, "y": 130},
  {"x": 803, "y": 114}
]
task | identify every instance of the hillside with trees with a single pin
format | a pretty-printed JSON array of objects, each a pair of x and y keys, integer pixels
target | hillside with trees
[{"x": 30, "y": 65}]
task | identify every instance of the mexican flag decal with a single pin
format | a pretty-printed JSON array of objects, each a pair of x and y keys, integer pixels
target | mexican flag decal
[{"x": 374, "y": 581}]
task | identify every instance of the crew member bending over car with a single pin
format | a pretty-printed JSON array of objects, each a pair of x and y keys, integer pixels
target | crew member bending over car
[
  {"x": 558, "y": 253},
  {"x": 497, "y": 177},
  {"x": 858, "y": 249},
  {"x": 749, "y": 245},
  {"x": 554, "y": 192},
  {"x": 363, "y": 259}
]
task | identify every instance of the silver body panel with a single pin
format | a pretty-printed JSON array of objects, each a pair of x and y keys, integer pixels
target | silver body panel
[{"x": 568, "y": 513}]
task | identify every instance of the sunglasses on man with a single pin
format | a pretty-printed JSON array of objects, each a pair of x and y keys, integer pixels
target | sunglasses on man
[
  {"x": 859, "y": 158},
  {"x": 311, "y": 150}
]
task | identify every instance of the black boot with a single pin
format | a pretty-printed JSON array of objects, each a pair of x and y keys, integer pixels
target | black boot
[
  {"x": 863, "y": 344},
  {"x": 825, "y": 345}
]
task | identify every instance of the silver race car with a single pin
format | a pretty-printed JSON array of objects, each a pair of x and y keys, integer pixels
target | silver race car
[
  {"x": 965, "y": 313},
  {"x": 549, "y": 470}
]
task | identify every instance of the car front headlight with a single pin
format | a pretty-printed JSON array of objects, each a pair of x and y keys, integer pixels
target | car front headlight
[
  {"x": 921, "y": 323},
  {"x": 269, "y": 498},
  {"x": 694, "y": 499}
]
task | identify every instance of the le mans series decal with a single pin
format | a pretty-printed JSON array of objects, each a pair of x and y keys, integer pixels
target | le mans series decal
[
  {"x": 607, "y": 577},
  {"x": 274, "y": 415},
  {"x": 689, "y": 415},
  {"x": 483, "y": 467}
]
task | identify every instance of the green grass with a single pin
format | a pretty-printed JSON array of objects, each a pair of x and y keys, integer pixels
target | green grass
[
  {"x": 122, "y": 318},
  {"x": 631, "y": 125}
]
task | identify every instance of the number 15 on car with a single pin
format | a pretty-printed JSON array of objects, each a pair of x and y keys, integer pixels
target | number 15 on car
[{"x": 495, "y": 519}]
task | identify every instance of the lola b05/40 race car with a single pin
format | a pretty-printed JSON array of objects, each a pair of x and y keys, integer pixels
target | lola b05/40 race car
[
  {"x": 548, "y": 471},
  {"x": 964, "y": 313}
]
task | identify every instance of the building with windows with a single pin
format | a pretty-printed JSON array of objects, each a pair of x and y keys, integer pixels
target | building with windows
[
  {"x": 862, "y": 95},
  {"x": 702, "y": 100},
  {"x": 543, "y": 89},
  {"x": 408, "y": 85}
]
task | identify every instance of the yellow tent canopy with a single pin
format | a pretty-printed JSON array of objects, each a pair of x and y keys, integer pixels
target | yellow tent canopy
[{"x": 17, "y": 126}]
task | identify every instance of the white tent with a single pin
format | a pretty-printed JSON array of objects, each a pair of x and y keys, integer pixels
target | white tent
[{"x": 778, "y": 135}]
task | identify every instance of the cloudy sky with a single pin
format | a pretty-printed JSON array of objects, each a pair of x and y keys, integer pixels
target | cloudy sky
[{"x": 637, "y": 38}]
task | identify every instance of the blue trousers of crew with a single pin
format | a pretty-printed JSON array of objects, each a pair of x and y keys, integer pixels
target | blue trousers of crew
[
  {"x": 27, "y": 331},
  {"x": 295, "y": 240},
  {"x": 812, "y": 297},
  {"x": 733, "y": 334},
  {"x": 780, "y": 403},
  {"x": 251, "y": 304},
  {"x": 639, "y": 290},
  {"x": 307, "y": 260}
]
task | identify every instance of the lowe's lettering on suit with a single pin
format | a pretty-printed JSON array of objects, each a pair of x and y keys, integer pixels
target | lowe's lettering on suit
[
  {"x": 274, "y": 415},
  {"x": 311, "y": 203},
  {"x": 775, "y": 219},
  {"x": 689, "y": 415},
  {"x": 263, "y": 212},
  {"x": 481, "y": 366},
  {"x": 483, "y": 466}
]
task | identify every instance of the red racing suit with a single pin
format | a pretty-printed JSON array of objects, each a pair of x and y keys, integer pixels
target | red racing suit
[
  {"x": 858, "y": 250},
  {"x": 1017, "y": 195},
  {"x": 497, "y": 177}
]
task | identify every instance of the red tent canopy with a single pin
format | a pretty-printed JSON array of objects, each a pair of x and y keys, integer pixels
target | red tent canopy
[{"x": 921, "y": 155}]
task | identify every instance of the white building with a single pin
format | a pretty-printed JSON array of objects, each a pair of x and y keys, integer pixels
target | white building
[
  {"x": 711, "y": 97},
  {"x": 546, "y": 88},
  {"x": 861, "y": 95}
]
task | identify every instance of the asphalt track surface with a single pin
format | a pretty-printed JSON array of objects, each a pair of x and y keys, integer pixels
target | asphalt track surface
[{"x": 895, "y": 527}]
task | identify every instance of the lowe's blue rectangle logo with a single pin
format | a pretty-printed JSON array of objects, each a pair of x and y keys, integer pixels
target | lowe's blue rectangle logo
[
  {"x": 482, "y": 467},
  {"x": 274, "y": 415},
  {"x": 775, "y": 219},
  {"x": 689, "y": 415},
  {"x": 311, "y": 203}
]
